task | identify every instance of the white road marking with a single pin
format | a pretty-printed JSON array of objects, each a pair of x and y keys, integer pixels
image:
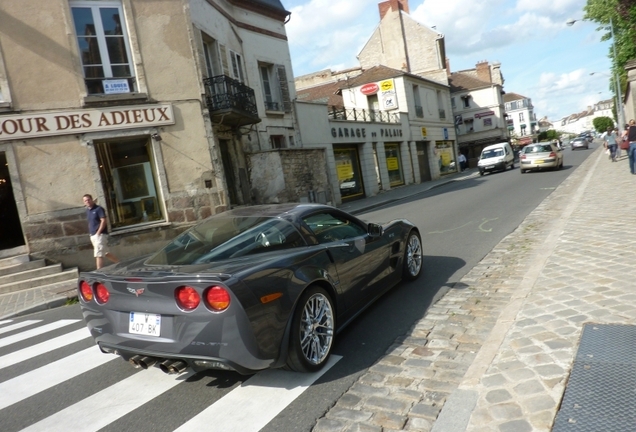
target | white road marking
[
  {"x": 18, "y": 326},
  {"x": 5, "y": 322},
  {"x": 256, "y": 402},
  {"x": 44, "y": 347},
  {"x": 108, "y": 405},
  {"x": 35, "y": 332},
  {"x": 31, "y": 383}
]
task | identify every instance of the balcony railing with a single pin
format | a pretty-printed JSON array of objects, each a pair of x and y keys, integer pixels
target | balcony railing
[
  {"x": 419, "y": 111},
  {"x": 442, "y": 113},
  {"x": 230, "y": 101},
  {"x": 272, "y": 106},
  {"x": 362, "y": 115}
]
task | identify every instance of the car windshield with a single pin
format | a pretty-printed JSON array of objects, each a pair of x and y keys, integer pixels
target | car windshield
[
  {"x": 219, "y": 238},
  {"x": 537, "y": 148},
  {"x": 487, "y": 154}
]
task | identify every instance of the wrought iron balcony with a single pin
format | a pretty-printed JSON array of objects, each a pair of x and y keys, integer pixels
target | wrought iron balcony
[
  {"x": 362, "y": 115},
  {"x": 230, "y": 102}
]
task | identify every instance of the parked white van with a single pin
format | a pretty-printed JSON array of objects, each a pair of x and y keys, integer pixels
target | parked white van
[{"x": 496, "y": 157}]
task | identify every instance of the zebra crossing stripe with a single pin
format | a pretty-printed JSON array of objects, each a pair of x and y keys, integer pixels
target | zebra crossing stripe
[
  {"x": 44, "y": 347},
  {"x": 21, "y": 387},
  {"x": 35, "y": 332},
  {"x": 17, "y": 326},
  {"x": 106, "y": 406},
  {"x": 249, "y": 407},
  {"x": 5, "y": 322}
]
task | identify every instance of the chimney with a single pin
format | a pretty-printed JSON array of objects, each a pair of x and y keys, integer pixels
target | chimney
[
  {"x": 393, "y": 5},
  {"x": 448, "y": 70},
  {"x": 483, "y": 71}
]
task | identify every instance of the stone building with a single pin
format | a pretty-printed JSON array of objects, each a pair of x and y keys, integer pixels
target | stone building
[
  {"x": 160, "y": 110},
  {"x": 478, "y": 108},
  {"x": 380, "y": 129}
]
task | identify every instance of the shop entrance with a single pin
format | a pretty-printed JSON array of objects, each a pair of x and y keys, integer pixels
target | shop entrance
[
  {"x": 422, "y": 160},
  {"x": 349, "y": 173},
  {"x": 10, "y": 228}
]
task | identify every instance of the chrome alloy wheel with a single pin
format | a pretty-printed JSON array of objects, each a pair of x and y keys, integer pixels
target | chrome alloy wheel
[
  {"x": 316, "y": 328},
  {"x": 414, "y": 255}
]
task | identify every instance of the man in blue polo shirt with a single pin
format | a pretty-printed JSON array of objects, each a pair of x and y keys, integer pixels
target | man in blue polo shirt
[{"x": 98, "y": 229}]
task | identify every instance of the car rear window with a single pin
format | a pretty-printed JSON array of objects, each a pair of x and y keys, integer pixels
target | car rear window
[{"x": 538, "y": 149}]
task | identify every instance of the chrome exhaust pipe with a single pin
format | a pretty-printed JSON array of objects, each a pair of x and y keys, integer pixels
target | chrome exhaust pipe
[
  {"x": 146, "y": 362},
  {"x": 165, "y": 366},
  {"x": 134, "y": 360},
  {"x": 173, "y": 366},
  {"x": 178, "y": 367}
]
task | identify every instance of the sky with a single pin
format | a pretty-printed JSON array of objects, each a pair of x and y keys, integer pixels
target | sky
[{"x": 541, "y": 57}]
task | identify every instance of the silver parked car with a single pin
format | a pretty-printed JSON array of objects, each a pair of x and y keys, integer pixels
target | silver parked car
[
  {"x": 580, "y": 143},
  {"x": 539, "y": 156}
]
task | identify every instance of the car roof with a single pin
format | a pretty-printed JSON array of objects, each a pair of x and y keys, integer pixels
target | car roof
[
  {"x": 493, "y": 146},
  {"x": 272, "y": 210}
]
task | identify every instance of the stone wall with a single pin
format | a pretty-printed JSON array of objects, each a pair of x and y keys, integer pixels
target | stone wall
[{"x": 289, "y": 175}]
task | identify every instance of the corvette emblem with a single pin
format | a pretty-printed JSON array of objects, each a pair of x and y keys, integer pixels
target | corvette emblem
[{"x": 136, "y": 292}]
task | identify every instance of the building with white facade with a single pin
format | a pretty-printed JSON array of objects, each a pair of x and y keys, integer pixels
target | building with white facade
[
  {"x": 584, "y": 121},
  {"x": 478, "y": 108},
  {"x": 381, "y": 129},
  {"x": 521, "y": 118}
]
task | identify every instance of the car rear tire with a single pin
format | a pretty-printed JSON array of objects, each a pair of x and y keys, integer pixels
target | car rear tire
[
  {"x": 481, "y": 173},
  {"x": 312, "y": 331},
  {"x": 522, "y": 171},
  {"x": 412, "y": 261}
]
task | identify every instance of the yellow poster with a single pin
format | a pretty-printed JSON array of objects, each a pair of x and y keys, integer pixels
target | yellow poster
[
  {"x": 423, "y": 132},
  {"x": 345, "y": 171},
  {"x": 392, "y": 163},
  {"x": 446, "y": 158}
]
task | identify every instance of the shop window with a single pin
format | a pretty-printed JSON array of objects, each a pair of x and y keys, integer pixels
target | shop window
[
  {"x": 393, "y": 164},
  {"x": 104, "y": 47},
  {"x": 128, "y": 179},
  {"x": 349, "y": 173},
  {"x": 445, "y": 153}
]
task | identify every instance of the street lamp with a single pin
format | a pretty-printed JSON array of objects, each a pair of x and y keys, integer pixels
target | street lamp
[{"x": 619, "y": 96}]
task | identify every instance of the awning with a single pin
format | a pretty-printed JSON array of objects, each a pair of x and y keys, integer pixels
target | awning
[
  {"x": 523, "y": 126},
  {"x": 511, "y": 127}
]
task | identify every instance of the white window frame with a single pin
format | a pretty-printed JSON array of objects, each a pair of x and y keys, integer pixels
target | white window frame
[
  {"x": 95, "y": 6},
  {"x": 236, "y": 61},
  {"x": 211, "y": 57},
  {"x": 271, "y": 90}
]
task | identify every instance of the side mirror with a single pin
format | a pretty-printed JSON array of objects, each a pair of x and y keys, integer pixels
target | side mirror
[{"x": 374, "y": 230}]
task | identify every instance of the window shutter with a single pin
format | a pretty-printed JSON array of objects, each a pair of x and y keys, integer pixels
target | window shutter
[
  {"x": 284, "y": 88},
  {"x": 226, "y": 70}
]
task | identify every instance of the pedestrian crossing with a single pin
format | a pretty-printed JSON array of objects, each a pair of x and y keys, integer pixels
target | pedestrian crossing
[{"x": 247, "y": 407}]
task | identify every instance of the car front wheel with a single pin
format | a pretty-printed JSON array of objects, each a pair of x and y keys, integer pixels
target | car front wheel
[
  {"x": 312, "y": 331},
  {"x": 412, "y": 265}
]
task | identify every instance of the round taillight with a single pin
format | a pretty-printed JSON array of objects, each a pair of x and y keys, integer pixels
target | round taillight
[
  {"x": 85, "y": 291},
  {"x": 101, "y": 293},
  {"x": 217, "y": 298},
  {"x": 187, "y": 298}
]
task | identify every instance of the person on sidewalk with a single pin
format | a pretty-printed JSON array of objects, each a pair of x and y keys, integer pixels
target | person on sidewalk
[
  {"x": 98, "y": 229},
  {"x": 610, "y": 141},
  {"x": 462, "y": 162},
  {"x": 631, "y": 152}
]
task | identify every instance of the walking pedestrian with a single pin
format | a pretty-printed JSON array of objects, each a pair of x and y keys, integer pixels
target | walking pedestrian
[
  {"x": 98, "y": 229},
  {"x": 631, "y": 152},
  {"x": 611, "y": 142},
  {"x": 462, "y": 161}
]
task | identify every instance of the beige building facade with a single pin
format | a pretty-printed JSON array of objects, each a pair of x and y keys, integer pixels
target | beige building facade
[{"x": 159, "y": 110}]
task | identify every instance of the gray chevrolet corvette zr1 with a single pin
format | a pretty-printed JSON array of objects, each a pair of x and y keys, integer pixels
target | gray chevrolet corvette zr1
[{"x": 248, "y": 289}]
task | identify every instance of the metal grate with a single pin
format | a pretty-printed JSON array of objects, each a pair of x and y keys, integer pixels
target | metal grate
[{"x": 601, "y": 392}]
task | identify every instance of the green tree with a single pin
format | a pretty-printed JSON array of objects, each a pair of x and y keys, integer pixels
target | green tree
[
  {"x": 602, "y": 123},
  {"x": 622, "y": 14}
]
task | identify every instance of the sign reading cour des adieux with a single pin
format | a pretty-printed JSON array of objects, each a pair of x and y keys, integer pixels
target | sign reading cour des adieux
[{"x": 25, "y": 126}]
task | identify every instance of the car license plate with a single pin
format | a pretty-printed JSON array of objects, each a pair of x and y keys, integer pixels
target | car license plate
[
  {"x": 538, "y": 161},
  {"x": 490, "y": 167},
  {"x": 144, "y": 324}
]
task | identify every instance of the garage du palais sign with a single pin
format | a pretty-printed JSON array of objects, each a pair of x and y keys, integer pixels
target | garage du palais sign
[{"x": 83, "y": 121}]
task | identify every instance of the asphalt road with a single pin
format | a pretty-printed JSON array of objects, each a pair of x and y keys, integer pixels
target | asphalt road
[{"x": 459, "y": 224}]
